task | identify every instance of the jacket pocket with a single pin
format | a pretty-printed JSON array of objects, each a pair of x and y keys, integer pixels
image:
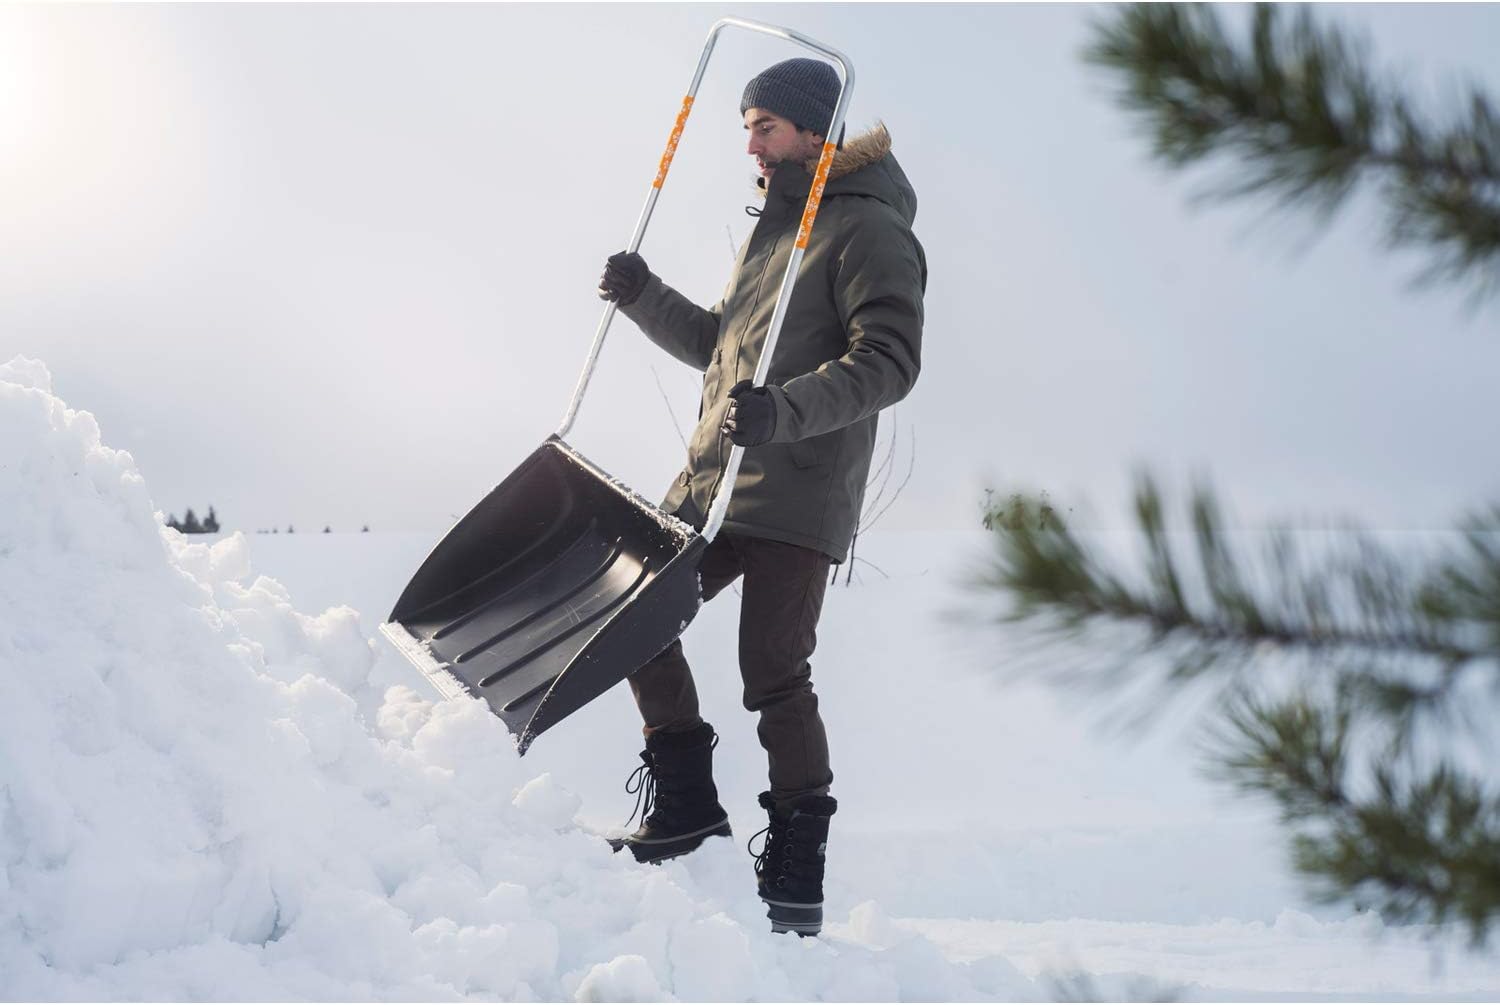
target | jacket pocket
[{"x": 805, "y": 454}]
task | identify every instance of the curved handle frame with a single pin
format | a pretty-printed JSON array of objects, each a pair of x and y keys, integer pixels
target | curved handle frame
[{"x": 720, "y": 504}]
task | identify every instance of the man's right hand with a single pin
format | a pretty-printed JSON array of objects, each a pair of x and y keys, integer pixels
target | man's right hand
[{"x": 624, "y": 278}]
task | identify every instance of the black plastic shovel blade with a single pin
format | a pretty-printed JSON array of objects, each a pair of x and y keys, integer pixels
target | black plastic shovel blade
[{"x": 556, "y": 587}]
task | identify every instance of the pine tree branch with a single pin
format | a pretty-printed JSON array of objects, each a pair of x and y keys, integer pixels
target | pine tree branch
[
  {"x": 1423, "y": 845},
  {"x": 1451, "y": 617},
  {"x": 1387, "y": 643},
  {"x": 1298, "y": 111}
]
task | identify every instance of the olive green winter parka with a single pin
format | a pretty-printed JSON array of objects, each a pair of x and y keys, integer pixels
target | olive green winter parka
[{"x": 849, "y": 347}]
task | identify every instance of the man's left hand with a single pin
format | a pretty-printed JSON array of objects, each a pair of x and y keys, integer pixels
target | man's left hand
[{"x": 751, "y": 418}]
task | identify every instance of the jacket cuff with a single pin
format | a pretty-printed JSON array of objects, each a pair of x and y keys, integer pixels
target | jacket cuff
[
  {"x": 783, "y": 431},
  {"x": 650, "y": 291}
]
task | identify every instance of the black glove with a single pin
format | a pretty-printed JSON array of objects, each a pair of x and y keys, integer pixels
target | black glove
[
  {"x": 751, "y": 418},
  {"x": 624, "y": 278}
]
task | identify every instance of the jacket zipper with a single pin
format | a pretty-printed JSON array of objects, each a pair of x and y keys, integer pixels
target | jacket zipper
[{"x": 759, "y": 286}]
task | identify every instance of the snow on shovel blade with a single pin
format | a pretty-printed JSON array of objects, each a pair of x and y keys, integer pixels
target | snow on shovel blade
[{"x": 557, "y": 586}]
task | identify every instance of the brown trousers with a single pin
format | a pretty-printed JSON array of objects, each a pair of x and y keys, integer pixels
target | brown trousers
[{"x": 782, "y": 597}]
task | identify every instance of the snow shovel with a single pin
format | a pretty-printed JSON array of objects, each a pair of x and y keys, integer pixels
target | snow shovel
[{"x": 562, "y": 582}]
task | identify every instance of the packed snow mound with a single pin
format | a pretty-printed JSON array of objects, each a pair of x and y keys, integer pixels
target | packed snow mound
[{"x": 192, "y": 805}]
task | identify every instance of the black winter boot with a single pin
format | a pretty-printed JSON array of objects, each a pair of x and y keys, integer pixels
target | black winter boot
[
  {"x": 675, "y": 796},
  {"x": 789, "y": 869}
]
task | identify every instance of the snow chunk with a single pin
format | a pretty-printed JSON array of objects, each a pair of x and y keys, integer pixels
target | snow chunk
[
  {"x": 711, "y": 960},
  {"x": 869, "y": 924},
  {"x": 623, "y": 979},
  {"x": 548, "y": 803}
]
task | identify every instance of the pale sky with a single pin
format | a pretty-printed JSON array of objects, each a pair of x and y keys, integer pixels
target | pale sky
[{"x": 336, "y": 264}]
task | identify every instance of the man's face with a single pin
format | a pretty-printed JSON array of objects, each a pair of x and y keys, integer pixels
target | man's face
[{"x": 775, "y": 140}]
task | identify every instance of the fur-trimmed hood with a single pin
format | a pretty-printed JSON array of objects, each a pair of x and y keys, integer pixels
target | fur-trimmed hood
[
  {"x": 864, "y": 166},
  {"x": 860, "y": 152}
]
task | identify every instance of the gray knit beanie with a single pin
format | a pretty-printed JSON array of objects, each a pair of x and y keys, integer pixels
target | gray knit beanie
[{"x": 803, "y": 90}]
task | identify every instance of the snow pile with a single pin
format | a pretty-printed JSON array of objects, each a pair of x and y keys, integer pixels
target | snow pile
[{"x": 193, "y": 806}]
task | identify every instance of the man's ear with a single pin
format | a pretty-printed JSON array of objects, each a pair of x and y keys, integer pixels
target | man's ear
[{"x": 823, "y": 139}]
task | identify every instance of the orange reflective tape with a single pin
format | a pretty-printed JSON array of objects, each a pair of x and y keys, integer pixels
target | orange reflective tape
[
  {"x": 815, "y": 197},
  {"x": 666, "y": 158}
]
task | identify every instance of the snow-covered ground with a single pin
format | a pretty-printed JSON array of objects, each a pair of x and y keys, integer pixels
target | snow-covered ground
[{"x": 206, "y": 793}]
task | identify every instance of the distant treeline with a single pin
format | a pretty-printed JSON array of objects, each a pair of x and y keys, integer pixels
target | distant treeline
[{"x": 190, "y": 524}]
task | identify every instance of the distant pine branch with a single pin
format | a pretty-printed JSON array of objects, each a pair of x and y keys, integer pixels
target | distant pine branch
[
  {"x": 1300, "y": 115},
  {"x": 1389, "y": 650},
  {"x": 1361, "y": 598},
  {"x": 1421, "y": 843}
]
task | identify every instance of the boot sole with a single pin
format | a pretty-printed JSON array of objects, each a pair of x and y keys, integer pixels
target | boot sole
[
  {"x": 661, "y": 849},
  {"x": 804, "y": 919}
]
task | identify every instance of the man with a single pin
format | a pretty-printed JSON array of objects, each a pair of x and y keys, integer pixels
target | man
[{"x": 849, "y": 346}]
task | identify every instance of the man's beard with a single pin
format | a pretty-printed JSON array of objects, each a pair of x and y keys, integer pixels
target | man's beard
[{"x": 789, "y": 159}]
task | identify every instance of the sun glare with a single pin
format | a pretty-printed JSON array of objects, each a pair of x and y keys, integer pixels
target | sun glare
[{"x": 20, "y": 91}]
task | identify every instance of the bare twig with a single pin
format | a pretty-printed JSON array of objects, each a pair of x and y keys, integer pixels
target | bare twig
[
  {"x": 668, "y": 402},
  {"x": 911, "y": 466}
]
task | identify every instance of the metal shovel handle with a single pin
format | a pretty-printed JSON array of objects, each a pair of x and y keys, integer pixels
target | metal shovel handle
[{"x": 720, "y": 504}]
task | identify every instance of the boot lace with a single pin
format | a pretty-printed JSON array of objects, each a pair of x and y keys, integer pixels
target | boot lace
[
  {"x": 774, "y": 860},
  {"x": 642, "y": 785},
  {"x": 765, "y": 849}
]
